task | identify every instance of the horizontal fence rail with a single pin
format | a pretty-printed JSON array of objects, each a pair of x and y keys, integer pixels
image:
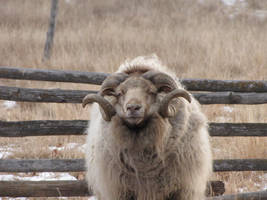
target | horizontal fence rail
[
  {"x": 79, "y": 188},
  {"x": 261, "y": 195},
  {"x": 43, "y": 189},
  {"x": 42, "y": 128},
  {"x": 42, "y": 165},
  {"x": 231, "y": 98},
  {"x": 76, "y": 96},
  {"x": 42, "y": 95},
  {"x": 52, "y": 75},
  {"x": 68, "y": 188},
  {"x": 238, "y": 129},
  {"x": 98, "y": 77},
  {"x": 77, "y": 165},
  {"x": 240, "y": 165},
  {"x": 78, "y": 127}
]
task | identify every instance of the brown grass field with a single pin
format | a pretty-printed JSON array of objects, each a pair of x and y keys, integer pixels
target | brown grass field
[{"x": 197, "y": 40}]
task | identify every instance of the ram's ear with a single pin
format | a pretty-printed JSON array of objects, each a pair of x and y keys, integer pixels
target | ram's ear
[
  {"x": 111, "y": 83},
  {"x": 165, "y": 88}
]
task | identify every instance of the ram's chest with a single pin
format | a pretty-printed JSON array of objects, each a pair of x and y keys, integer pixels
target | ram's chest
[
  {"x": 141, "y": 167},
  {"x": 135, "y": 161}
]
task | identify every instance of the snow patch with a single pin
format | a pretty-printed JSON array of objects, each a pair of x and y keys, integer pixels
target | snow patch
[
  {"x": 52, "y": 148},
  {"x": 264, "y": 181},
  {"x": 228, "y": 109},
  {"x": 76, "y": 146},
  {"x": 92, "y": 198},
  {"x": 244, "y": 189},
  {"x": 49, "y": 176},
  {"x": 82, "y": 148},
  {"x": 5, "y": 152},
  {"x": 229, "y": 2},
  {"x": 72, "y": 145},
  {"x": 261, "y": 14},
  {"x": 7, "y": 177},
  {"x": 44, "y": 176},
  {"x": 9, "y": 104}
]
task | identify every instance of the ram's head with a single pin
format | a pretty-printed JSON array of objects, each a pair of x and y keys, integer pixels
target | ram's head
[{"x": 138, "y": 96}]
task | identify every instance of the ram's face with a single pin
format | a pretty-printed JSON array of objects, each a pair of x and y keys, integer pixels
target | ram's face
[
  {"x": 136, "y": 100},
  {"x": 138, "y": 96}
]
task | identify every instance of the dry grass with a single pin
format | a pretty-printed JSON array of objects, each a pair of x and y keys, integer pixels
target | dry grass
[{"x": 196, "y": 40}]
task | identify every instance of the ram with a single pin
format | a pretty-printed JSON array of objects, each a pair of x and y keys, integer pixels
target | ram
[{"x": 148, "y": 138}]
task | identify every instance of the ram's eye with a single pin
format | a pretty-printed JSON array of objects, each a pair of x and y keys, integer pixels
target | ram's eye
[
  {"x": 109, "y": 92},
  {"x": 165, "y": 88},
  {"x": 152, "y": 92},
  {"x": 120, "y": 93}
]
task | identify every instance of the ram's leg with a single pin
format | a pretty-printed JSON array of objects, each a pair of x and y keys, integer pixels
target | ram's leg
[
  {"x": 131, "y": 196},
  {"x": 173, "y": 196},
  {"x": 128, "y": 196},
  {"x": 185, "y": 195}
]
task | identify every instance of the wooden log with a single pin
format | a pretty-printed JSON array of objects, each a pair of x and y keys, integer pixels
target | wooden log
[
  {"x": 51, "y": 30},
  {"x": 240, "y": 165},
  {"x": 43, "y": 165},
  {"x": 43, "y": 189},
  {"x": 225, "y": 85},
  {"x": 77, "y": 165},
  {"x": 98, "y": 78},
  {"x": 261, "y": 195},
  {"x": 42, "y": 95},
  {"x": 52, "y": 75},
  {"x": 238, "y": 129},
  {"x": 42, "y": 128},
  {"x": 78, "y": 127},
  {"x": 231, "y": 98},
  {"x": 76, "y": 96},
  {"x": 64, "y": 188}
]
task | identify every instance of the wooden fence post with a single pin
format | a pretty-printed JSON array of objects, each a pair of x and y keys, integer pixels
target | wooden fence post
[{"x": 51, "y": 30}]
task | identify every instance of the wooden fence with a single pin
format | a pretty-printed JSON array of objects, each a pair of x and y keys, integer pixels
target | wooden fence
[{"x": 206, "y": 91}]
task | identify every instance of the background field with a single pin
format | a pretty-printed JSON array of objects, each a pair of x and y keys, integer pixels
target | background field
[{"x": 197, "y": 39}]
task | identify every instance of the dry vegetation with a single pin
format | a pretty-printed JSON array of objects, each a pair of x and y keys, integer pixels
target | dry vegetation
[{"x": 197, "y": 40}]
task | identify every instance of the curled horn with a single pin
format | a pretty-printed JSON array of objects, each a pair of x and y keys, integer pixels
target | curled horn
[
  {"x": 107, "y": 88},
  {"x": 166, "y": 84},
  {"x": 107, "y": 109},
  {"x": 161, "y": 80},
  {"x": 167, "y": 110}
]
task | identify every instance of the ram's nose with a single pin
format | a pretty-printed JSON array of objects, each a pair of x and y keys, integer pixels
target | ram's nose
[
  {"x": 134, "y": 114},
  {"x": 133, "y": 108}
]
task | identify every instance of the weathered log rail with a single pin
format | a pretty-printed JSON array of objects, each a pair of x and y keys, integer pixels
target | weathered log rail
[
  {"x": 79, "y": 188},
  {"x": 212, "y": 92},
  {"x": 66, "y": 188},
  {"x": 261, "y": 195},
  {"x": 98, "y": 77},
  {"x": 78, "y": 127},
  {"x": 77, "y": 165},
  {"x": 76, "y": 96},
  {"x": 43, "y": 189}
]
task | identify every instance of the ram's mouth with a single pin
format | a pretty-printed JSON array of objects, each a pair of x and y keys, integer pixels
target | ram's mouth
[{"x": 134, "y": 122}]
